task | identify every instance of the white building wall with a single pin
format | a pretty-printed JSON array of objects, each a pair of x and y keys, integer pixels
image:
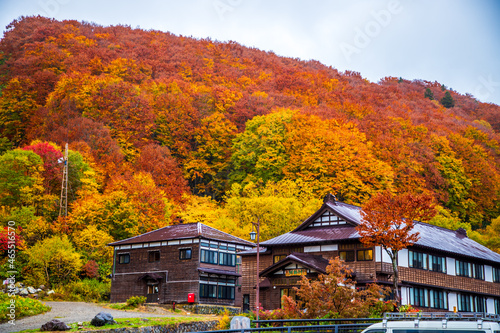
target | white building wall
[
  {"x": 450, "y": 266},
  {"x": 490, "y": 305},
  {"x": 405, "y": 299},
  {"x": 452, "y": 301},
  {"x": 403, "y": 258},
  {"x": 381, "y": 254},
  {"x": 488, "y": 273}
]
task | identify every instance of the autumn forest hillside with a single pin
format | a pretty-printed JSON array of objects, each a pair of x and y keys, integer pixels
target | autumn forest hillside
[{"x": 167, "y": 129}]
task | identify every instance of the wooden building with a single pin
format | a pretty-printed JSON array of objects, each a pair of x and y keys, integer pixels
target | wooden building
[
  {"x": 444, "y": 270},
  {"x": 179, "y": 263}
]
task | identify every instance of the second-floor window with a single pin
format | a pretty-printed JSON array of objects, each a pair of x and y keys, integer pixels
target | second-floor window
[
  {"x": 463, "y": 268},
  {"x": 185, "y": 254},
  {"x": 365, "y": 255},
  {"x": 227, "y": 259},
  {"x": 153, "y": 256},
  {"x": 496, "y": 274},
  {"x": 347, "y": 256},
  {"x": 468, "y": 269},
  {"x": 437, "y": 263},
  {"x": 124, "y": 258},
  {"x": 279, "y": 257},
  {"x": 478, "y": 272},
  {"x": 417, "y": 260},
  {"x": 209, "y": 257}
]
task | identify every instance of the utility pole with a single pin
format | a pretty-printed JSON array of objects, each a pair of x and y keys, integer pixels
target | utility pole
[{"x": 63, "y": 207}]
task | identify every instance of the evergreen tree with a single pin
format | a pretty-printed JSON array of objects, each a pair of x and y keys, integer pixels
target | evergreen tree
[
  {"x": 428, "y": 94},
  {"x": 447, "y": 101}
]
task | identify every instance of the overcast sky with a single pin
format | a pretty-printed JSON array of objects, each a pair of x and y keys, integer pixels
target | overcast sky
[{"x": 454, "y": 42}]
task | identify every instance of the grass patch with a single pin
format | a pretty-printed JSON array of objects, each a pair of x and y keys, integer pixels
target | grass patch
[
  {"x": 24, "y": 307},
  {"x": 132, "y": 322}
]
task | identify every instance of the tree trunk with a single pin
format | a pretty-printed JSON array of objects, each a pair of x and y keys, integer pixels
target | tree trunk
[{"x": 395, "y": 279}]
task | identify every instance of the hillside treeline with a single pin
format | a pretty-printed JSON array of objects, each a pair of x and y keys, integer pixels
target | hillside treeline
[{"x": 166, "y": 129}]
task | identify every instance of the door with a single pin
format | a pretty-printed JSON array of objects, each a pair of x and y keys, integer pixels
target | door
[
  {"x": 153, "y": 293},
  {"x": 246, "y": 303}
]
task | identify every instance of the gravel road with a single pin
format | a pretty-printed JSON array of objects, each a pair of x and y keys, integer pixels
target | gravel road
[{"x": 72, "y": 312}]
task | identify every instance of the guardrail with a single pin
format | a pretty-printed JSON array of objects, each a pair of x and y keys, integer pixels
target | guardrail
[
  {"x": 292, "y": 322},
  {"x": 337, "y": 328}
]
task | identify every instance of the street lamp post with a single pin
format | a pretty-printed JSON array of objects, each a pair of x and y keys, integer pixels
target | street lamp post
[{"x": 252, "y": 237}]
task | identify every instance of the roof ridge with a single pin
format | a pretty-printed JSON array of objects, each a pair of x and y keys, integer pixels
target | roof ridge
[
  {"x": 224, "y": 232},
  {"x": 146, "y": 233}
]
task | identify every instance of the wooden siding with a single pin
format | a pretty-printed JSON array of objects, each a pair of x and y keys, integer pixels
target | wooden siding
[{"x": 445, "y": 281}]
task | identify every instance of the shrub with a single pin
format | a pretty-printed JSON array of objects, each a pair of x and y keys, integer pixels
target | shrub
[
  {"x": 88, "y": 290},
  {"x": 23, "y": 307},
  {"x": 135, "y": 301},
  {"x": 225, "y": 321}
]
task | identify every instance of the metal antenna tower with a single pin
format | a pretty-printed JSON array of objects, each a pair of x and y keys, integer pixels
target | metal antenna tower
[{"x": 63, "y": 208}]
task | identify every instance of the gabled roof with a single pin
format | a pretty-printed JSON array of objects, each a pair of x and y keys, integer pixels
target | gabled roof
[
  {"x": 351, "y": 214},
  {"x": 183, "y": 231},
  {"x": 317, "y": 263},
  {"x": 431, "y": 236}
]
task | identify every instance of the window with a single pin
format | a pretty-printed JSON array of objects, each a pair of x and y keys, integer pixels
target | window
[
  {"x": 278, "y": 258},
  {"x": 217, "y": 287},
  {"x": 438, "y": 299},
  {"x": 429, "y": 298},
  {"x": 209, "y": 257},
  {"x": 153, "y": 256},
  {"x": 497, "y": 306},
  {"x": 227, "y": 259},
  {"x": 417, "y": 260},
  {"x": 184, "y": 254},
  {"x": 464, "y": 303},
  {"x": 419, "y": 297},
  {"x": 347, "y": 256},
  {"x": 365, "y": 255},
  {"x": 496, "y": 274},
  {"x": 208, "y": 291},
  {"x": 226, "y": 292},
  {"x": 478, "y": 271},
  {"x": 463, "y": 268},
  {"x": 480, "y": 304},
  {"x": 124, "y": 258},
  {"x": 437, "y": 264}
]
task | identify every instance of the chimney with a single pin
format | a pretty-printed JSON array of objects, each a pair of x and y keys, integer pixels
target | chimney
[
  {"x": 462, "y": 232},
  {"x": 329, "y": 198}
]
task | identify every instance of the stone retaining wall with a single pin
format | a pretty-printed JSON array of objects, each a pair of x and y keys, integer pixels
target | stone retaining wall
[
  {"x": 210, "y": 309},
  {"x": 176, "y": 328}
]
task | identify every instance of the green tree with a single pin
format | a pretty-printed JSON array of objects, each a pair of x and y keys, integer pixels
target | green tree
[
  {"x": 17, "y": 105},
  {"x": 20, "y": 178},
  {"x": 259, "y": 153},
  {"x": 53, "y": 261},
  {"x": 447, "y": 101},
  {"x": 278, "y": 209},
  {"x": 429, "y": 94}
]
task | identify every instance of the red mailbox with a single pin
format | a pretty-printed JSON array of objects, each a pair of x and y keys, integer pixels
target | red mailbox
[{"x": 191, "y": 298}]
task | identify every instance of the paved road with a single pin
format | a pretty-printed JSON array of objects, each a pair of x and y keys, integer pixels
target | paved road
[{"x": 72, "y": 312}]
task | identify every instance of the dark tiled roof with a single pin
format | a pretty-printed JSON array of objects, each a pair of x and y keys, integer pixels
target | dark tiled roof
[
  {"x": 314, "y": 235},
  {"x": 217, "y": 271},
  {"x": 318, "y": 263},
  {"x": 254, "y": 250},
  {"x": 452, "y": 242},
  {"x": 431, "y": 236},
  {"x": 183, "y": 231}
]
